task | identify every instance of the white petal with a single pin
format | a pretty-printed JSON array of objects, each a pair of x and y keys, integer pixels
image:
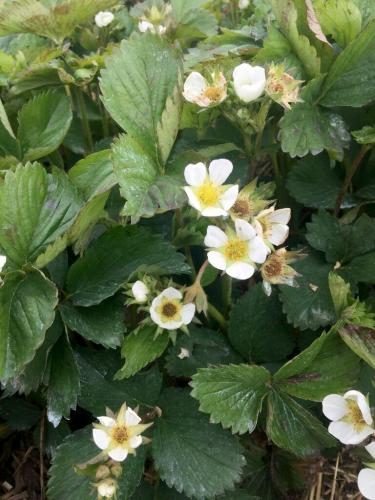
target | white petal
[
  {"x": 195, "y": 174},
  {"x": 282, "y": 216},
  {"x": 214, "y": 212},
  {"x": 245, "y": 73},
  {"x": 248, "y": 93},
  {"x": 258, "y": 250},
  {"x": 101, "y": 438},
  {"x": 3, "y": 260},
  {"x": 155, "y": 316},
  {"x": 279, "y": 233},
  {"x": 187, "y": 313},
  {"x": 334, "y": 407},
  {"x": 144, "y": 26},
  {"x": 131, "y": 418},
  {"x": 135, "y": 441},
  {"x": 267, "y": 287},
  {"x": 347, "y": 434},
  {"x": 362, "y": 403},
  {"x": 229, "y": 197},
  {"x": 220, "y": 170},
  {"x": 370, "y": 448},
  {"x": 107, "y": 421},
  {"x": 240, "y": 270},
  {"x": 217, "y": 260},
  {"x": 244, "y": 230},
  {"x": 171, "y": 325},
  {"x": 215, "y": 237},
  {"x": 171, "y": 293},
  {"x": 118, "y": 454},
  {"x": 140, "y": 291},
  {"x": 366, "y": 483},
  {"x": 195, "y": 84},
  {"x": 193, "y": 200}
]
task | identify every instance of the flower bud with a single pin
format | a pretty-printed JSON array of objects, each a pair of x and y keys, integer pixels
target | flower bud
[
  {"x": 102, "y": 472},
  {"x": 249, "y": 81},
  {"x": 116, "y": 470},
  {"x": 140, "y": 291},
  {"x": 103, "y": 19},
  {"x": 107, "y": 488},
  {"x": 243, "y": 4}
]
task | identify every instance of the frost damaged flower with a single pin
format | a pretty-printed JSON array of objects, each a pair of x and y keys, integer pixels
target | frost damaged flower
[
  {"x": 351, "y": 417},
  {"x": 250, "y": 200},
  {"x": 272, "y": 225},
  {"x": 119, "y": 435},
  {"x": 199, "y": 91},
  {"x": 140, "y": 291},
  {"x": 104, "y": 18},
  {"x": 168, "y": 311},
  {"x": 276, "y": 269},
  {"x": 235, "y": 252},
  {"x": 282, "y": 87},
  {"x": 249, "y": 81},
  {"x": 206, "y": 191},
  {"x": 366, "y": 477}
]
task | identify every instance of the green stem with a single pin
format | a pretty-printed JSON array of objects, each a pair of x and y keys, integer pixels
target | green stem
[
  {"x": 85, "y": 121},
  {"x": 227, "y": 291},
  {"x": 217, "y": 316}
]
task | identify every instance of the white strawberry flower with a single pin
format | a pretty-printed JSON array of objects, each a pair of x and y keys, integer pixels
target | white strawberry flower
[
  {"x": 206, "y": 191},
  {"x": 198, "y": 91},
  {"x": 119, "y": 435},
  {"x": 243, "y": 4},
  {"x": 351, "y": 417},
  {"x": 140, "y": 291},
  {"x": 235, "y": 252},
  {"x": 272, "y": 225},
  {"x": 145, "y": 26},
  {"x": 366, "y": 477},
  {"x": 249, "y": 81},
  {"x": 104, "y": 18},
  {"x": 107, "y": 488},
  {"x": 168, "y": 310},
  {"x": 3, "y": 261}
]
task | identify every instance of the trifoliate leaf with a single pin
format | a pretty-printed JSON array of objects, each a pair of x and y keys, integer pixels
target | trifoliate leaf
[
  {"x": 114, "y": 257},
  {"x": 327, "y": 366},
  {"x": 314, "y": 183},
  {"x": 43, "y": 123},
  {"x": 202, "y": 347},
  {"x": 351, "y": 79},
  {"x": 63, "y": 381},
  {"x": 258, "y": 327},
  {"x": 78, "y": 448},
  {"x": 310, "y": 305},
  {"x": 35, "y": 209},
  {"x": 293, "y": 428},
  {"x": 102, "y": 324},
  {"x": 27, "y": 303},
  {"x": 232, "y": 394},
  {"x": 193, "y": 456},
  {"x": 99, "y": 390},
  {"x": 141, "y": 348}
]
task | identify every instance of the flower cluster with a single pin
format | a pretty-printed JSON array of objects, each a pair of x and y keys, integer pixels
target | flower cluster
[
  {"x": 352, "y": 423},
  {"x": 154, "y": 20},
  {"x": 257, "y": 228}
]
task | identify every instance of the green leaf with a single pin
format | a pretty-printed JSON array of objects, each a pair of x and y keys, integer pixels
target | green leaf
[
  {"x": 360, "y": 269},
  {"x": 293, "y": 428},
  {"x": 192, "y": 455},
  {"x": 114, "y": 257},
  {"x": 365, "y": 135},
  {"x": 78, "y": 448},
  {"x": 93, "y": 175},
  {"x": 340, "y": 18},
  {"x": 194, "y": 22},
  {"x": 55, "y": 20},
  {"x": 341, "y": 242},
  {"x": 340, "y": 292},
  {"x": 99, "y": 390},
  {"x": 258, "y": 327},
  {"x": 35, "y": 209},
  {"x": 351, "y": 79},
  {"x": 19, "y": 414},
  {"x": 138, "y": 80},
  {"x": 314, "y": 183},
  {"x": 360, "y": 340},
  {"x": 102, "y": 324},
  {"x": 232, "y": 394},
  {"x": 27, "y": 303},
  {"x": 140, "y": 348},
  {"x": 63, "y": 381},
  {"x": 9, "y": 145},
  {"x": 310, "y": 305},
  {"x": 327, "y": 366},
  {"x": 205, "y": 347},
  {"x": 367, "y": 8},
  {"x": 43, "y": 123}
]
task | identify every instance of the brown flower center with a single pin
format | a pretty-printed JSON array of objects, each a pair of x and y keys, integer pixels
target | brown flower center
[
  {"x": 213, "y": 93},
  {"x": 272, "y": 268},
  {"x": 169, "y": 310},
  {"x": 120, "y": 434},
  {"x": 242, "y": 208}
]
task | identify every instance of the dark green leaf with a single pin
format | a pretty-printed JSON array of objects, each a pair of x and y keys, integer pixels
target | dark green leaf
[
  {"x": 361, "y": 340},
  {"x": 192, "y": 455},
  {"x": 19, "y": 414},
  {"x": 232, "y": 394}
]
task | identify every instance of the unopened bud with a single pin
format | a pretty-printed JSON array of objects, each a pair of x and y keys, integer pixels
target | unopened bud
[{"x": 102, "y": 472}]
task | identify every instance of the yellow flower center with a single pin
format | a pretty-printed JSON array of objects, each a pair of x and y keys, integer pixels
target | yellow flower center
[
  {"x": 170, "y": 310},
  {"x": 236, "y": 250},
  {"x": 213, "y": 93},
  {"x": 208, "y": 194},
  {"x": 120, "y": 434},
  {"x": 354, "y": 415}
]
